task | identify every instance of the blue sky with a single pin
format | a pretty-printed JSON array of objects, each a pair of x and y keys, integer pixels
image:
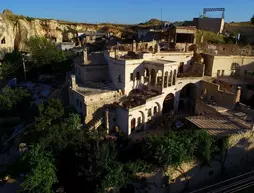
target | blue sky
[{"x": 127, "y": 11}]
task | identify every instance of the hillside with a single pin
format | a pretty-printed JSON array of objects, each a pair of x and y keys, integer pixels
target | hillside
[
  {"x": 15, "y": 29},
  {"x": 246, "y": 29}
]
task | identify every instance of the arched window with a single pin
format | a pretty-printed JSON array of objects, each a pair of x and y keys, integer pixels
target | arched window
[{"x": 235, "y": 66}]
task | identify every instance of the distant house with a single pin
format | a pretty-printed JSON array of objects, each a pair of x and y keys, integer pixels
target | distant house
[
  {"x": 150, "y": 32},
  {"x": 91, "y": 36},
  {"x": 215, "y": 25}
]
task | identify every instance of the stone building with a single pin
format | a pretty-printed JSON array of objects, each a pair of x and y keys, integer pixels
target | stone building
[
  {"x": 228, "y": 65},
  {"x": 130, "y": 88}
]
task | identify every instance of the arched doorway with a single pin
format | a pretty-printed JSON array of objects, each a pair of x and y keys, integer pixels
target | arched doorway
[
  {"x": 133, "y": 124},
  {"x": 168, "y": 103},
  {"x": 188, "y": 96}
]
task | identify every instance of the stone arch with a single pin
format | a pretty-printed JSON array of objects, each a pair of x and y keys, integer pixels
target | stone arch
[
  {"x": 166, "y": 79},
  {"x": 153, "y": 77},
  {"x": 158, "y": 107},
  {"x": 188, "y": 96},
  {"x": 168, "y": 103},
  {"x": 142, "y": 116}
]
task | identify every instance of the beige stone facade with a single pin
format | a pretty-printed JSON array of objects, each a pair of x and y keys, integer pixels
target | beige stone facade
[
  {"x": 231, "y": 65},
  {"x": 115, "y": 86}
]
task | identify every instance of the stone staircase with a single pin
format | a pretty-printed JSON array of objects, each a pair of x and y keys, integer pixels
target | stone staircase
[{"x": 94, "y": 123}]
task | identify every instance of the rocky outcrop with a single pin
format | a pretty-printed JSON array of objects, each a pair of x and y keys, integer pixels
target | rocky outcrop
[{"x": 15, "y": 30}]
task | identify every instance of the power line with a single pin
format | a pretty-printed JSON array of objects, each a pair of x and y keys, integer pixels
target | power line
[{"x": 11, "y": 71}]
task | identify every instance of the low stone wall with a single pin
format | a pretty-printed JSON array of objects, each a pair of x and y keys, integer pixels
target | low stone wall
[{"x": 239, "y": 158}]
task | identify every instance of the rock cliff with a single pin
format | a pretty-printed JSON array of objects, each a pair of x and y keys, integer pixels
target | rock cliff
[{"x": 15, "y": 29}]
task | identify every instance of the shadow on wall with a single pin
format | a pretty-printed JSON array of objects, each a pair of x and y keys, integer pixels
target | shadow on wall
[{"x": 234, "y": 161}]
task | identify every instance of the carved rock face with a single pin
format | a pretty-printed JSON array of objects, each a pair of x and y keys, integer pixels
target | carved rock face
[{"x": 2, "y": 25}]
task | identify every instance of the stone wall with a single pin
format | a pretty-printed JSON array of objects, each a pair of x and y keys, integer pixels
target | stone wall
[
  {"x": 96, "y": 104},
  {"x": 212, "y": 91},
  {"x": 215, "y": 25},
  {"x": 92, "y": 72}
]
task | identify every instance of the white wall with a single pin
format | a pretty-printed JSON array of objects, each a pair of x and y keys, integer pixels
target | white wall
[
  {"x": 158, "y": 102},
  {"x": 122, "y": 119},
  {"x": 75, "y": 99}
]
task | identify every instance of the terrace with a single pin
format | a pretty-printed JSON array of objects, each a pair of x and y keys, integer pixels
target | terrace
[{"x": 138, "y": 97}]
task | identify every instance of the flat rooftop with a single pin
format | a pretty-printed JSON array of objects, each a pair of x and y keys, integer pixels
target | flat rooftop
[
  {"x": 92, "y": 87},
  {"x": 217, "y": 125},
  {"x": 159, "y": 61}
]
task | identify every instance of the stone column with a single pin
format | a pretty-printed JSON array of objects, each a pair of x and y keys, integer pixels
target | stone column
[
  {"x": 238, "y": 95},
  {"x": 134, "y": 46},
  {"x": 158, "y": 49},
  {"x": 149, "y": 77},
  {"x": 116, "y": 53},
  {"x": 85, "y": 57},
  {"x": 163, "y": 76},
  {"x": 107, "y": 121},
  {"x": 73, "y": 82},
  {"x": 153, "y": 45},
  {"x": 168, "y": 79},
  {"x": 156, "y": 79}
]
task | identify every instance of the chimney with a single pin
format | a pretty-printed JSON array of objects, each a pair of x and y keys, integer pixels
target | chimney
[
  {"x": 116, "y": 51},
  {"x": 85, "y": 55},
  {"x": 238, "y": 94},
  {"x": 107, "y": 120},
  {"x": 134, "y": 46},
  {"x": 153, "y": 45},
  {"x": 73, "y": 82},
  {"x": 158, "y": 48}
]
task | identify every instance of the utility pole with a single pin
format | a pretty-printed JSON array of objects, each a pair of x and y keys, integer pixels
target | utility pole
[{"x": 24, "y": 66}]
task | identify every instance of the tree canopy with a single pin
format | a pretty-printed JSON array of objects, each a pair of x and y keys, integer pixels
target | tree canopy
[
  {"x": 44, "y": 51},
  {"x": 252, "y": 20},
  {"x": 11, "y": 62},
  {"x": 40, "y": 171},
  {"x": 11, "y": 97}
]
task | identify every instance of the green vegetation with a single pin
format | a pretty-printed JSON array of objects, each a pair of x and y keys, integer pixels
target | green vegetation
[
  {"x": 14, "y": 99},
  {"x": 208, "y": 37},
  {"x": 151, "y": 22},
  {"x": 44, "y": 51},
  {"x": 252, "y": 20},
  {"x": 11, "y": 62},
  {"x": 86, "y": 161},
  {"x": 39, "y": 169}
]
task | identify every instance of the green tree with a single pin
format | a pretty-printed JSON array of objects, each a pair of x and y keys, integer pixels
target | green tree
[
  {"x": 48, "y": 113},
  {"x": 11, "y": 97},
  {"x": 11, "y": 62},
  {"x": 252, "y": 20},
  {"x": 39, "y": 170},
  {"x": 63, "y": 134},
  {"x": 44, "y": 51}
]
